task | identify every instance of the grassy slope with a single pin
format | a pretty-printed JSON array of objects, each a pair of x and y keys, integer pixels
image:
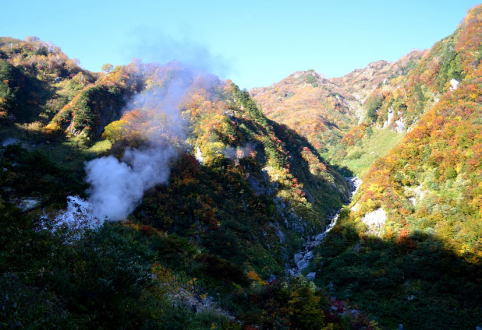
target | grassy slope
[{"x": 370, "y": 148}]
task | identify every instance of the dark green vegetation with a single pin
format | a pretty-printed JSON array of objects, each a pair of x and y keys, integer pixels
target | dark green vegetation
[
  {"x": 136, "y": 276},
  {"x": 36, "y": 80},
  {"x": 412, "y": 280},
  {"x": 195, "y": 254},
  {"x": 210, "y": 249}
]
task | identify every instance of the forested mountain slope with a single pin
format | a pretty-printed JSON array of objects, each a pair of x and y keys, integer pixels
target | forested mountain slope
[
  {"x": 243, "y": 194},
  {"x": 410, "y": 243},
  {"x": 396, "y": 106},
  {"x": 322, "y": 109}
]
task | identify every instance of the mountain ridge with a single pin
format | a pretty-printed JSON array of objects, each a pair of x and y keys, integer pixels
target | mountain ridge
[{"x": 329, "y": 107}]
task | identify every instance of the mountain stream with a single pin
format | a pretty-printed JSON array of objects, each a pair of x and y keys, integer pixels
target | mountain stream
[{"x": 303, "y": 258}]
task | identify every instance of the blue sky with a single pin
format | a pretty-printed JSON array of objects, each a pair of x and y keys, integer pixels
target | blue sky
[{"x": 254, "y": 43}]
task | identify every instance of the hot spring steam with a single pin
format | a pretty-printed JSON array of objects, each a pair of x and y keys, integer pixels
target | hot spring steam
[{"x": 117, "y": 186}]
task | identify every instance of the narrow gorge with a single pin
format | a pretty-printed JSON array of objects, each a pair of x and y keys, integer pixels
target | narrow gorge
[{"x": 302, "y": 259}]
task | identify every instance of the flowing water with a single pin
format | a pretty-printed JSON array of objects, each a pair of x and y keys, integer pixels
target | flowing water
[{"x": 302, "y": 259}]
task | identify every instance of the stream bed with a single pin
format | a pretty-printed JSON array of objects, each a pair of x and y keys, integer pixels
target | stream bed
[{"x": 303, "y": 258}]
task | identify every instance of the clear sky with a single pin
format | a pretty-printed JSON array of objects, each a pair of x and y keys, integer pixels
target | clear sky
[{"x": 254, "y": 43}]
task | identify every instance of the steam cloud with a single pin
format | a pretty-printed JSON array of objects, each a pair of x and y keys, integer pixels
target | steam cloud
[{"x": 117, "y": 186}]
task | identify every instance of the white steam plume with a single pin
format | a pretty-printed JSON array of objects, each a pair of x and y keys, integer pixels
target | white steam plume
[{"x": 117, "y": 186}]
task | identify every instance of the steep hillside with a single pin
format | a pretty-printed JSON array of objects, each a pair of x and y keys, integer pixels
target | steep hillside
[
  {"x": 96, "y": 105},
  {"x": 309, "y": 104},
  {"x": 243, "y": 194},
  {"x": 361, "y": 82},
  {"x": 36, "y": 80},
  {"x": 408, "y": 249},
  {"x": 396, "y": 106}
]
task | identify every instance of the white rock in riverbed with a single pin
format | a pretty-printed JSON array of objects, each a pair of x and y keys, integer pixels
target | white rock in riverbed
[{"x": 302, "y": 259}]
